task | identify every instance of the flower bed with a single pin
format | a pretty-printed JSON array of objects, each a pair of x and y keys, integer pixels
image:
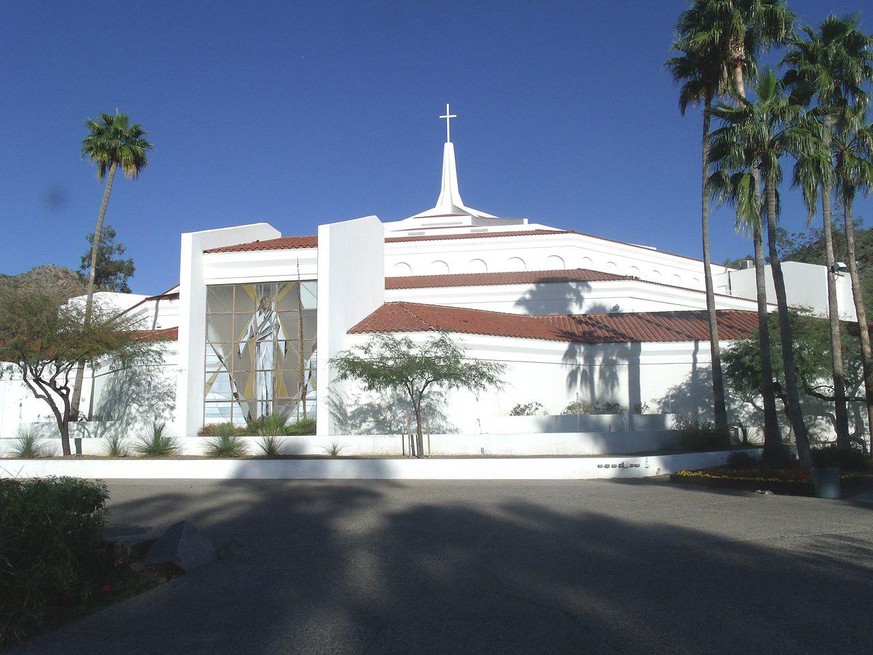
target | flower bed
[{"x": 785, "y": 481}]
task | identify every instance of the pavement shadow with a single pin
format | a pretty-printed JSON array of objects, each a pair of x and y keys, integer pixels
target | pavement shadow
[{"x": 381, "y": 567}]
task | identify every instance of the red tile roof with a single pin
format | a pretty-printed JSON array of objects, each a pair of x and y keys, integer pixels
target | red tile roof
[
  {"x": 282, "y": 243},
  {"x": 164, "y": 334},
  {"x": 165, "y": 296},
  {"x": 491, "y": 279},
  {"x": 577, "y": 328}
]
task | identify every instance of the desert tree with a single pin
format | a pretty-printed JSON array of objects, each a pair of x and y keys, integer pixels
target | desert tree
[
  {"x": 387, "y": 362},
  {"x": 44, "y": 338}
]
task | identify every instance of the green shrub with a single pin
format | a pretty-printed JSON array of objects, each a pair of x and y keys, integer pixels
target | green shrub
[
  {"x": 527, "y": 409},
  {"x": 115, "y": 446},
  {"x": 701, "y": 436},
  {"x": 226, "y": 445},
  {"x": 157, "y": 444},
  {"x": 583, "y": 407},
  {"x": 305, "y": 426},
  {"x": 221, "y": 429},
  {"x": 640, "y": 408},
  {"x": 50, "y": 537},
  {"x": 270, "y": 445},
  {"x": 851, "y": 459},
  {"x": 29, "y": 445},
  {"x": 272, "y": 425},
  {"x": 333, "y": 450}
]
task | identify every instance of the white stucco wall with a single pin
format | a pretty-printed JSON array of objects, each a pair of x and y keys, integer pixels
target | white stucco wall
[
  {"x": 542, "y": 252},
  {"x": 192, "y": 315},
  {"x": 351, "y": 285},
  {"x": 805, "y": 286},
  {"x": 569, "y": 298},
  {"x": 664, "y": 378}
]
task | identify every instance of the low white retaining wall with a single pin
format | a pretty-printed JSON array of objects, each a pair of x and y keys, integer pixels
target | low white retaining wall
[
  {"x": 441, "y": 445},
  {"x": 483, "y": 468},
  {"x": 555, "y": 423}
]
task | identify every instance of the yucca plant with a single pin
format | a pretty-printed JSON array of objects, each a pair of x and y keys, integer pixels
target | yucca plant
[
  {"x": 115, "y": 446},
  {"x": 29, "y": 444},
  {"x": 271, "y": 425},
  {"x": 219, "y": 429},
  {"x": 157, "y": 444},
  {"x": 271, "y": 445},
  {"x": 305, "y": 426},
  {"x": 333, "y": 450},
  {"x": 226, "y": 446}
]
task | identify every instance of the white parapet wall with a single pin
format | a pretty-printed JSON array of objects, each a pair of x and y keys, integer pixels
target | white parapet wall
[
  {"x": 351, "y": 285},
  {"x": 482, "y": 468},
  {"x": 437, "y": 445}
]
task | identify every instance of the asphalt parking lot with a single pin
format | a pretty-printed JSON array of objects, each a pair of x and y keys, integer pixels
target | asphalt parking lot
[{"x": 492, "y": 567}]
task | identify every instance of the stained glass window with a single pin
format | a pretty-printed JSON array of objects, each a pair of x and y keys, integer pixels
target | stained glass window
[{"x": 260, "y": 351}]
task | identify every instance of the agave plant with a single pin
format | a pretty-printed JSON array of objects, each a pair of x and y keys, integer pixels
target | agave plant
[
  {"x": 271, "y": 445},
  {"x": 115, "y": 446},
  {"x": 29, "y": 444},
  {"x": 333, "y": 450},
  {"x": 226, "y": 446},
  {"x": 157, "y": 443},
  {"x": 272, "y": 425}
]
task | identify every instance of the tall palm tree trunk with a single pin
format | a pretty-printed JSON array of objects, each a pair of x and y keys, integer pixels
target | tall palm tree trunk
[
  {"x": 863, "y": 327},
  {"x": 89, "y": 299},
  {"x": 841, "y": 424},
  {"x": 772, "y": 433},
  {"x": 801, "y": 434},
  {"x": 719, "y": 409}
]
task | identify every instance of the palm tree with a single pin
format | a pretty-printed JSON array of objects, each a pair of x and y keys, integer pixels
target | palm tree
[
  {"x": 741, "y": 189},
  {"x": 737, "y": 30},
  {"x": 853, "y": 168},
  {"x": 702, "y": 78},
  {"x": 813, "y": 173},
  {"x": 754, "y": 137},
  {"x": 111, "y": 142},
  {"x": 829, "y": 66},
  {"x": 718, "y": 44}
]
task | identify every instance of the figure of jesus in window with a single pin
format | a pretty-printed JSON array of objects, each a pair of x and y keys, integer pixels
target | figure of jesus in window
[{"x": 264, "y": 330}]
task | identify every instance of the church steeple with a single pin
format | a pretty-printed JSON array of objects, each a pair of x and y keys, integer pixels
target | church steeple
[{"x": 449, "y": 202}]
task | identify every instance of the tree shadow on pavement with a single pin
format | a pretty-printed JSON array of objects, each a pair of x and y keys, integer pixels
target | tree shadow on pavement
[{"x": 463, "y": 567}]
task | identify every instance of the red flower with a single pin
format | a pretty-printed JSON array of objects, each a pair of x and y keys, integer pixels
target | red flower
[
  {"x": 106, "y": 588},
  {"x": 117, "y": 563},
  {"x": 102, "y": 552}
]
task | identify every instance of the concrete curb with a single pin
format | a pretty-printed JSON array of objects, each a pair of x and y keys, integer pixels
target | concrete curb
[{"x": 482, "y": 468}]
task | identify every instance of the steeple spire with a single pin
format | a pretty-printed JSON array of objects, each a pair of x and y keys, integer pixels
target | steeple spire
[{"x": 449, "y": 202}]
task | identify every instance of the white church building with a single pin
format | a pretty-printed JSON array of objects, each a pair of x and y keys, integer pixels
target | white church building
[{"x": 257, "y": 317}]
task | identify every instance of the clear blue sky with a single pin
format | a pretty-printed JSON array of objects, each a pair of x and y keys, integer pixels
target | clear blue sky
[{"x": 300, "y": 113}]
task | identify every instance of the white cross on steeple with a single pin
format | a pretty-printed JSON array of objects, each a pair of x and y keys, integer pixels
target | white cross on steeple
[{"x": 448, "y": 116}]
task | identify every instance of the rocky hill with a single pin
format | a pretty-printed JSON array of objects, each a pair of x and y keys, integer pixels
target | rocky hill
[{"x": 47, "y": 279}]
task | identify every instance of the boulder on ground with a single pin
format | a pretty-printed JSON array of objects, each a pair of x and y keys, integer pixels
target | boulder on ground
[{"x": 183, "y": 546}]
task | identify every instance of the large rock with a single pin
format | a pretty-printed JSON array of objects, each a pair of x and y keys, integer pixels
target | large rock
[{"x": 183, "y": 546}]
